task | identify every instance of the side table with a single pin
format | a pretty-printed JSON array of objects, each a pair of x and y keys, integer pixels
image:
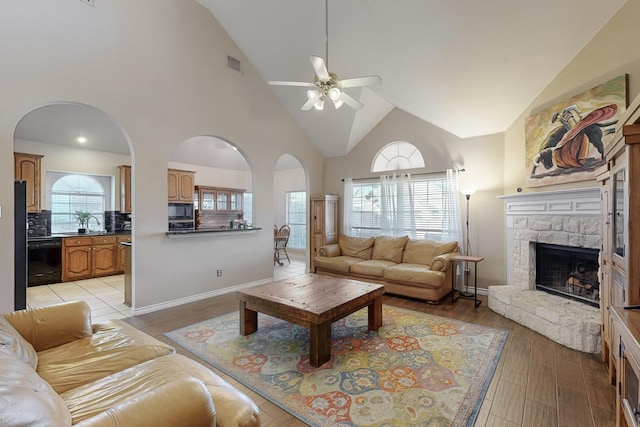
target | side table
[{"x": 465, "y": 258}]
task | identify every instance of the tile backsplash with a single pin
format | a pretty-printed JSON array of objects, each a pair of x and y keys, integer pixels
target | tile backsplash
[{"x": 40, "y": 222}]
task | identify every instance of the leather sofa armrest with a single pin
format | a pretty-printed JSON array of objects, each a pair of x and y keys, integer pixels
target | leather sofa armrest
[
  {"x": 53, "y": 325},
  {"x": 332, "y": 250},
  {"x": 184, "y": 402},
  {"x": 443, "y": 262}
]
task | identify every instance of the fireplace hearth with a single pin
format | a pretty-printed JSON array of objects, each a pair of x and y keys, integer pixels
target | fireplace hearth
[
  {"x": 569, "y": 272},
  {"x": 564, "y": 218}
]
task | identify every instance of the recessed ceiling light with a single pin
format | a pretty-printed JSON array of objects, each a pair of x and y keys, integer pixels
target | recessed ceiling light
[{"x": 81, "y": 139}]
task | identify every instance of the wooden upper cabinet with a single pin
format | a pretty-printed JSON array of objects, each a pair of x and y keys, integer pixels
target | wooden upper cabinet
[
  {"x": 125, "y": 189},
  {"x": 180, "y": 185},
  {"x": 27, "y": 168}
]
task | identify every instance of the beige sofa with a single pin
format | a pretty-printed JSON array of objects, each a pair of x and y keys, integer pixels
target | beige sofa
[
  {"x": 56, "y": 369},
  {"x": 417, "y": 268}
]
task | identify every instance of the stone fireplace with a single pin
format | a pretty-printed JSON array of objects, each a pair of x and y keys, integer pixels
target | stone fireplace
[{"x": 568, "y": 218}]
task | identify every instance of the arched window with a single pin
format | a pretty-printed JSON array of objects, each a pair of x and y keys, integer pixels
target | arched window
[
  {"x": 397, "y": 156},
  {"x": 74, "y": 192}
]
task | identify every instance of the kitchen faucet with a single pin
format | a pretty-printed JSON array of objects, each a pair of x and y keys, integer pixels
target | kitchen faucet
[{"x": 97, "y": 221}]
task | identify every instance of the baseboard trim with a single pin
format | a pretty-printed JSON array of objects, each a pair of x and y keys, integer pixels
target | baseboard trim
[
  {"x": 218, "y": 292},
  {"x": 198, "y": 297}
]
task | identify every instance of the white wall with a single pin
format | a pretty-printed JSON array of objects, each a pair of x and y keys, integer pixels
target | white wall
[
  {"x": 216, "y": 177},
  {"x": 481, "y": 157},
  {"x": 159, "y": 70},
  {"x": 287, "y": 180}
]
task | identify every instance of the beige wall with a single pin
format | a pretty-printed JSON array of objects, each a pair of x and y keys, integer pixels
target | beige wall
[
  {"x": 614, "y": 51},
  {"x": 159, "y": 70},
  {"x": 482, "y": 158}
]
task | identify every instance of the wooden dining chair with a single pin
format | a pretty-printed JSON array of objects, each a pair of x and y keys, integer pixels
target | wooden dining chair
[{"x": 280, "y": 241}]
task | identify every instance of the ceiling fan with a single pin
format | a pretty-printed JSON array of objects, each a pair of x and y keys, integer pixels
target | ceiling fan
[{"x": 328, "y": 85}]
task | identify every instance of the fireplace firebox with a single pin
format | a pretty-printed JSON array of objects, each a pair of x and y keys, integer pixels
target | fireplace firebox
[{"x": 569, "y": 272}]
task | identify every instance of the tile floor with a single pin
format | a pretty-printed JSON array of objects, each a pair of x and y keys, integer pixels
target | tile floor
[{"x": 105, "y": 295}]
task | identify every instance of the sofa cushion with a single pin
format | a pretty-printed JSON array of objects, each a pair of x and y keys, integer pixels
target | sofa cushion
[
  {"x": 53, "y": 325},
  {"x": 174, "y": 375},
  {"x": 416, "y": 275},
  {"x": 26, "y": 399},
  {"x": 372, "y": 267},
  {"x": 358, "y": 247},
  {"x": 339, "y": 264},
  {"x": 131, "y": 384},
  {"x": 389, "y": 248},
  {"x": 13, "y": 344},
  {"x": 423, "y": 251},
  {"x": 114, "y": 346}
]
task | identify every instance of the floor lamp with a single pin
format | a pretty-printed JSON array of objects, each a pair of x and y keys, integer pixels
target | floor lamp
[{"x": 467, "y": 193}]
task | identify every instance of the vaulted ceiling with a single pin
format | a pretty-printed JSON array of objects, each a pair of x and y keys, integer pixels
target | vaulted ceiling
[{"x": 469, "y": 67}]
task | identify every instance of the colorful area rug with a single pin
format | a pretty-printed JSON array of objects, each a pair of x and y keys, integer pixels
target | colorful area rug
[{"x": 418, "y": 369}]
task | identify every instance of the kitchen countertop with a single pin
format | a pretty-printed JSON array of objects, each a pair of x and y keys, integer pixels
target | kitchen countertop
[
  {"x": 90, "y": 234},
  {"x": 211, "y": 231}
]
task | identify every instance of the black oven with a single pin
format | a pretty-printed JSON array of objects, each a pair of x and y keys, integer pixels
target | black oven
[{"x": 44, "y": 264}]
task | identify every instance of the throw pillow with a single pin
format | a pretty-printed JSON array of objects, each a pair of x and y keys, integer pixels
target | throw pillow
[
  {"x": 389, "y": 248},
  {"x": 359, "y": 247},
  {"x": 423, "y": 251}
]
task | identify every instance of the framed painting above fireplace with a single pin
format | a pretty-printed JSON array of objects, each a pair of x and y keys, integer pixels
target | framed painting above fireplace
[{"x": 566, "y": 142}]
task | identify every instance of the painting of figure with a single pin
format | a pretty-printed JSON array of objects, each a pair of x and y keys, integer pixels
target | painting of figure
[{"x": 566, "y": 142}]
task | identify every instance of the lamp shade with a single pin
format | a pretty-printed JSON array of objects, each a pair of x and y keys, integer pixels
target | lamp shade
[{"x": 468, "y": 191}]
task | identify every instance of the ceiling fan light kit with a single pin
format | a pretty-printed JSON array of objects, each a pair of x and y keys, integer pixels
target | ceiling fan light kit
[{"x": 326, "y": 84}]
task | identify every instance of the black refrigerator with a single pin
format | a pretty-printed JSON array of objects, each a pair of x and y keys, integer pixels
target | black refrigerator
[{"x": 20, "y": 239}]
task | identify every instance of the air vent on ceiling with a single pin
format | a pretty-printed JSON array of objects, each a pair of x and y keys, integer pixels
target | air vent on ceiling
[{"x": 233, "y": 63}]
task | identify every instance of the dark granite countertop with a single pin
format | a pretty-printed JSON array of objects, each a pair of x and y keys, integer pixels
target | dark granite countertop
[
  {"x": 93, "y": 233},
  {"x": 210, "y": 231}
]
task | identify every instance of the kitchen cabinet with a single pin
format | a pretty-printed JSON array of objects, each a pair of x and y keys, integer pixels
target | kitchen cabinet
[
  {"x": 125, "y": 188},
  {"x": 180, "y": 185},
  {"x": 27, "y": 168},
  {"x": 626, "y": 333},
  {"x": 84, "y": 257},
  {"x": 216, "y": 206},
  {"x": 121, "y": 253},
  {"x": 218, "y": 199},
  {"x": 620, "y": 228},
  {"x": 324, "y": 223}
]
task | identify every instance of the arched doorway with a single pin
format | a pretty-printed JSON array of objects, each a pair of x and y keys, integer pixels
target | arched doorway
[
  {"x": 291, "y": 204},
  {"x": 63, "y": 144},
  {"x": 221, "y": 167}
]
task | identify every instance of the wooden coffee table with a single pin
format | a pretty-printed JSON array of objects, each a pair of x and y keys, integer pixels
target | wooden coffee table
[{"x": 312, "y": 301}]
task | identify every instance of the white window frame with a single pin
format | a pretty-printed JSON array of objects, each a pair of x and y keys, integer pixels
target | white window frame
[{"x": 298, "y": 236}]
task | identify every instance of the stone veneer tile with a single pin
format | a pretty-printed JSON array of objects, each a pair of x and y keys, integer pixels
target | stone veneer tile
[{"x": 570, "y": 323}]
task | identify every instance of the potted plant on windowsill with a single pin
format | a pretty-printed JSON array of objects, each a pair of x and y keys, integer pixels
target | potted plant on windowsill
[{"x": 83, "y": 220}]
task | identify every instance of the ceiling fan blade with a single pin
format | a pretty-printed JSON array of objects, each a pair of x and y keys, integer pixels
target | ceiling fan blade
[
  {"x": 351, "y": 101},
  {"x": 285, "y": 83},
  {"x": 318, "y": 65},
  {"x": 361, "y": 81},
  {"x": 308, "y": 105}
]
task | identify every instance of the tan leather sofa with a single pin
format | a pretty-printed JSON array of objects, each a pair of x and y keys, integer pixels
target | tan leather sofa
[
  {"x": 416, "y": 268},
  {"x": 57, "y": 369}
]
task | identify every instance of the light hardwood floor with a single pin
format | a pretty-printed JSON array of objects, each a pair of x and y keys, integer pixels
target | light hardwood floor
[{"x": 537, "y": 382}]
